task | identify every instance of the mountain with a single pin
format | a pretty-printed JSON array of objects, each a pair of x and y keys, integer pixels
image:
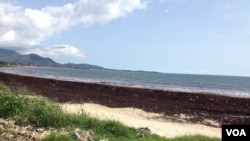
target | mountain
[
  {"x": 14, "y": 57},
  {"x": 10, "y": 56},
  {"x": 81, "y": 66}
]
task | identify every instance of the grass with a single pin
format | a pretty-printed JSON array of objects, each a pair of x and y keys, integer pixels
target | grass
[
  {"x": 55, "y": 137},
  {"x": 41, "y": 112}
]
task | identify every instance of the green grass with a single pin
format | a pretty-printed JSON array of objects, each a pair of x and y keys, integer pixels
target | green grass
[
  {"x": 41, "y": 112},
  {"x": 55, "y": 137}
]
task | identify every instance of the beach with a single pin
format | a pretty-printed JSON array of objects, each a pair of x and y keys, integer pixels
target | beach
[
  {"x": 150, "y": 122},
  {"x": 205, "y": 110}
]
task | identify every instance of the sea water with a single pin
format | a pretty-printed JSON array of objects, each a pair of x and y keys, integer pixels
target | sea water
[{"x": 224, "y": 85}]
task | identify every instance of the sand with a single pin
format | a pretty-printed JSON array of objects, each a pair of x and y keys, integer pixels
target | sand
[{"x": 137, "y": 118}]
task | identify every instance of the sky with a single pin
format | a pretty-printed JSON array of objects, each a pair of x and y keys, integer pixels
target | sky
[{"x": 171, "y": 36}]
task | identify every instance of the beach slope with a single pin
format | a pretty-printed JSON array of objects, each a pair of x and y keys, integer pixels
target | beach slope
[{"x": 199, "y": 108}]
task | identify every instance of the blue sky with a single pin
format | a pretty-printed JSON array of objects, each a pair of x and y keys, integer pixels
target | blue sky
[{"x": 173, "y": 36}]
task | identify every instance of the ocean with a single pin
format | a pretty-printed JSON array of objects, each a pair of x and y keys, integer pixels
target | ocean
[{"x": 223, "y": 85}]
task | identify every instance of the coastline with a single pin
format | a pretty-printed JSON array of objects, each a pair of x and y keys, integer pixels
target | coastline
[{"x": 198, "y": 107}]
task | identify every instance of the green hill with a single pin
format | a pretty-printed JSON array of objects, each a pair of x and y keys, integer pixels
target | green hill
[{"x": 13, "y": 57}]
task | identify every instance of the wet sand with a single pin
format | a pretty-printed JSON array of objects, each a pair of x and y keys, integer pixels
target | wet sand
[{"x": 198, "y": 108}]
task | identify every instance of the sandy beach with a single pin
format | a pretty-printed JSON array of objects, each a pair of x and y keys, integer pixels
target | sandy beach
[
  {"x": 137, "y": 118},
  {"x": 165, "y": 113}
]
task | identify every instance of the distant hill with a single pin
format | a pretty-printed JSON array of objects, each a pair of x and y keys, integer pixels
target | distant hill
[{"x": 13, "y": 57}]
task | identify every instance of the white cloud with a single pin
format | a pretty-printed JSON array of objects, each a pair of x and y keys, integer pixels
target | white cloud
[
  {"x": 55, "y": 51},
  {"x": 28, "y": 28},
  {"x": 66, "y": 50},
  {"x": 103, "y": 11},
  {"x": 9, "y": 36}
]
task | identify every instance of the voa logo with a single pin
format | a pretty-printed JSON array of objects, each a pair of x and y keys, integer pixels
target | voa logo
[{"x": 236, "y": 132}]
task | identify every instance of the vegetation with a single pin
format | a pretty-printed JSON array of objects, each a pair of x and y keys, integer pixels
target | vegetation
[
  {"x": 41, "y": 112},
  {"x": 55, "y": 137},
  {"x": 2, "y": 63}
]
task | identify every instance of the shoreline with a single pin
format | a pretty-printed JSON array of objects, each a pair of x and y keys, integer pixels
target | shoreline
[
  {"x": 198, "y": 107},
  {"x": 228, "y": 93}
]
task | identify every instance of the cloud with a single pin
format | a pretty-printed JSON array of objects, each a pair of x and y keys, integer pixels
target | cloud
[
  {"x": 55, "y": 51},
  {"x": 103, "y": 11},
  {"x": 27, "y": 28}
]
